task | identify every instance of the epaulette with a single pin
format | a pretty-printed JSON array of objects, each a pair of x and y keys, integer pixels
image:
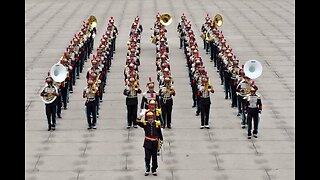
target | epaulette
[
  {"x": 143, "y": 122},
  {"x": 158, "y": 123}
]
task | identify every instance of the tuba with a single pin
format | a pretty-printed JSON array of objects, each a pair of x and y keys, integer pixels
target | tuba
[
  {"x": 218, "y": 20},
  {"x": 165, "y": 19}
]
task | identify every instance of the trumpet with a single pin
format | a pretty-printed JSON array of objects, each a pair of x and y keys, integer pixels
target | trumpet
[
  {"x": 208, "y": 87},
  {"x": 94, "y": 88}
]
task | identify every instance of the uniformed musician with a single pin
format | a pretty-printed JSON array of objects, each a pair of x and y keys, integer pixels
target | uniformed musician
[
  {"x": 204, "y": 93},
  {"x": 91, "y": 108},
  {"x": 49, "y": 94},
  {"x": 253, "y": 108},
  {"x": 131, "y": 91}
]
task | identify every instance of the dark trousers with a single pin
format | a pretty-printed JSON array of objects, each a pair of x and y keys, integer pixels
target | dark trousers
[
  {"x": 91, "y": 110},
  {"x": 233, "y": 87},
  {"x": 166, "y": 111},
  {"x": 227, "y": 87},
  {"x": 64, "y": 95},
  {"x": 151, "y": 153},
  {"x": 198, "y": 104},
  {"x": 181, "y": 43},
  {"x": 253, "y": 113},
  {"x": 205, "y": 109},
  {"x": 194, "y": 94},
  {"x": 132, "y": 114},
  {"x": 51, "y": 114},
  {"x": 244, "y": 120},
  {"x": 59, "y": 105},
  {"x": 240, "y": 98}
]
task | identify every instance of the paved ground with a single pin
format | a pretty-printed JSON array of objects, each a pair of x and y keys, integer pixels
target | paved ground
[{"x": 255, "y": 29}]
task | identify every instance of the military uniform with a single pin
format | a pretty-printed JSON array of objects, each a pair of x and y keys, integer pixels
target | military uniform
[
  {"x": 153, "y": 135},
  {"x": 205, "y": 102},
  {"x": 49, "y": 94},
  {"x": 132, "y": 104},
  {"x": 91, "y": 108},
  {"x": 166, "y": 104},
  {"x": 253, "y": 108}
]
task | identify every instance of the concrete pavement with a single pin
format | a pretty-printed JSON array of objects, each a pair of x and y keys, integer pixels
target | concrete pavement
[{"x": 255, "y": 29}]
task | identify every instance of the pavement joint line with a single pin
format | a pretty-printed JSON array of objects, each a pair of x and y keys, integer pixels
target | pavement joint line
[
  {"x": 210, "y": 138},
  {"x": 40, "y": 13},
  {"x": 172, "y": 176},
  {"x": 35, "y": 169},
  {"x": 121, "y": 16},
  {"x": 53, "y": 36},
  {"x": 267, "y": 174},
  {"x": 44, "y": 24},
  {"x": 78, "y": 174},
  {"x": 85, "y": 149},
  {"x": 215, "y": 155},
  {"x": 254, "y": 147},
  {"x": 291, "y": 138},
  {"x": 35, "y": 5}
]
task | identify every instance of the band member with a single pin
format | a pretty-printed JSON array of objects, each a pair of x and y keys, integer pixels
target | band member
[
  {"x": 91, "y": 109},
  {"x": 243, "y": 89},
  {"x": 204, "y": 92},
  {"x": 49, "y": 94},
  {"x": 166, "y": 92},
  {"x": 151, "y": 94},
  {"x": 153, "y": 136},
  {"x": 253, "y": 108},
  {"x": 131, "y": 91},
  {"x": 156, "y": 111},
  {"x": 181, "y": 31}
]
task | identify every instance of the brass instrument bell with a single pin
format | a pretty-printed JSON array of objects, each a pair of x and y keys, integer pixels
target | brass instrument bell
[
  {"x": 165, "y": 19},
  {"x": 92, "y": 21},
  {"x": 218, "y": 20}
]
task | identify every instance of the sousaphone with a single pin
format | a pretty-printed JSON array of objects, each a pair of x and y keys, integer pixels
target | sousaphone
[
  {"x": 58, "y": 72},
  {"x": 252, "y": 69}
]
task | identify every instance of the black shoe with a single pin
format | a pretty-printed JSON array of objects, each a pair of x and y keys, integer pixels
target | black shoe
[
  {"x": 59, "y": 116},
  {"x": 201, "y": 127},
  {"x": 249, "y": 137},
  {"x": 193, "y": 105},
  {"x": 197, "y": 114},
  {"x": 49, "y": 129},
  {"x": 89, "y": 127},
  {"x": 255, "y": 135},
  {"x": 65, "y": 108},
  {"x": 94, "y": 127},
  {"x": 238, "y": 114},
  {"x": 169, "y": 127},
  {"x": 207, "y": 126},
  {"x": 146, "y": 173},
  {"x": 154, "y": 173}
]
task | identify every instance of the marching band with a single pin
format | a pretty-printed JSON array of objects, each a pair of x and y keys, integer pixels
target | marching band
[{"x": 156, "y": 105}]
